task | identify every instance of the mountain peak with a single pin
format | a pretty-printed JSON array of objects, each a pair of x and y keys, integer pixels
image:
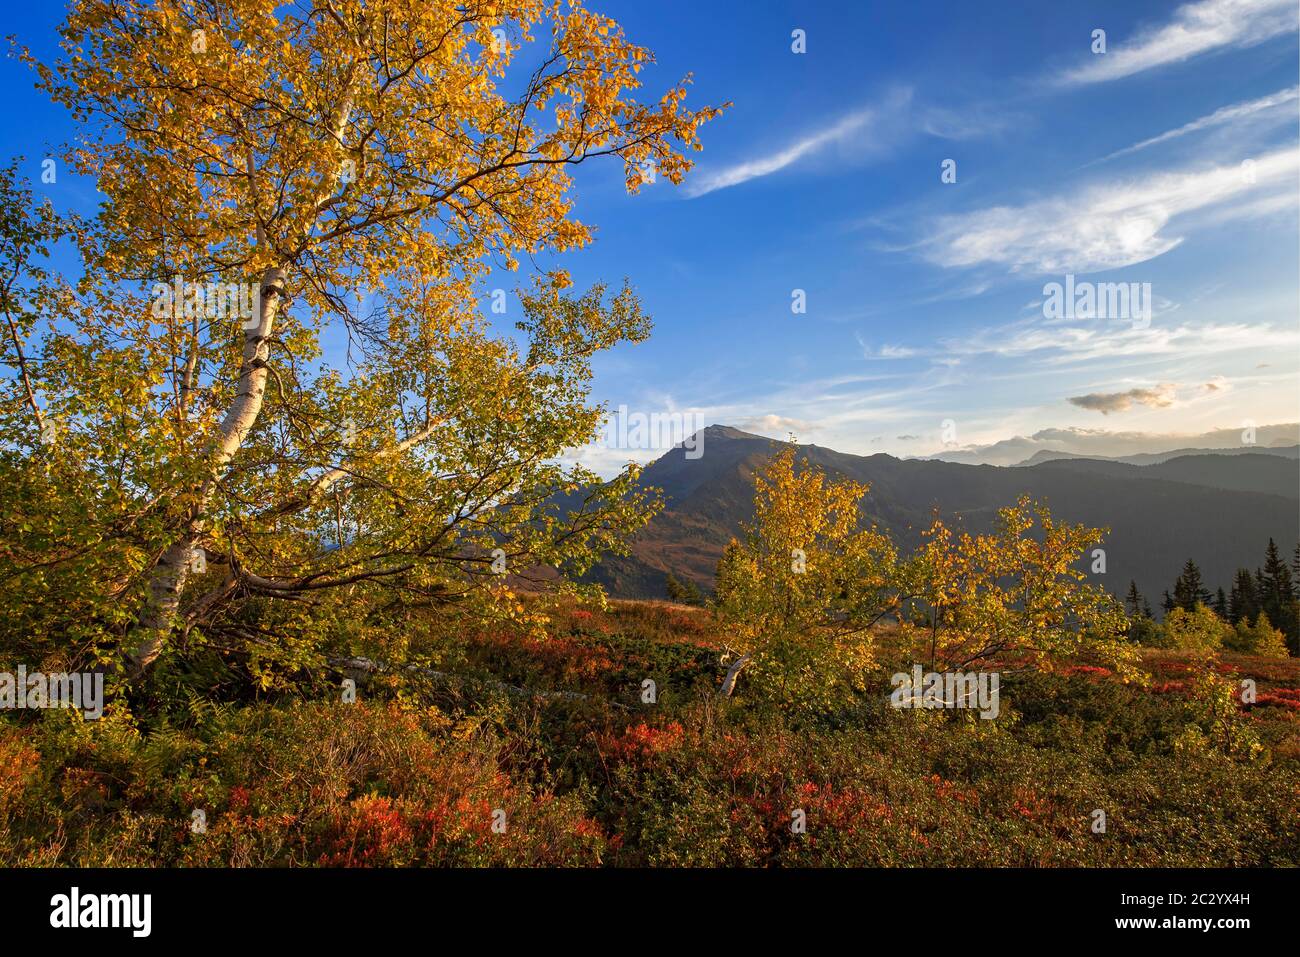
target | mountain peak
[
  {"x": 727, "y": 432},
  {"x": 715, "y": 433}
]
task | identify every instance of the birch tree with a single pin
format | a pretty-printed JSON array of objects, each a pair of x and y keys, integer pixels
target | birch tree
[
  {"x": 799, "y": 593},
  {"x": 356, "y": 168}
]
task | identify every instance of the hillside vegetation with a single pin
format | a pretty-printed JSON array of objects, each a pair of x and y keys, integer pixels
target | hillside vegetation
[
  {"x": 412, "y": 772},
  {"x": 759, "y": 731}
]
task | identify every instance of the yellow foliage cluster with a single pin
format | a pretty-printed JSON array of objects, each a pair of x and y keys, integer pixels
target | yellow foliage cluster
[{"x": 801, "y": 593}]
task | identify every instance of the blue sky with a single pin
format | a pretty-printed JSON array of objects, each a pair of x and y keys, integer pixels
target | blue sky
[
  {"x": 924, "y": 298},
  {"x": 922, "y": 306}
]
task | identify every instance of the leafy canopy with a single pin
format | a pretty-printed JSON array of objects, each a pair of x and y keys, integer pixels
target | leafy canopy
[
  {"x": 1014, "y": 592},
  {"x": 801, "y": 593},
  {"x": 358, "y": 168},
  {"x": 798, "y": 595}
]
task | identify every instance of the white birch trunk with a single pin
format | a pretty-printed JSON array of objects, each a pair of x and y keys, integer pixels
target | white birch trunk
[
  {"x": 168, "y": 577},
  {"x": 172, "y": 571}
]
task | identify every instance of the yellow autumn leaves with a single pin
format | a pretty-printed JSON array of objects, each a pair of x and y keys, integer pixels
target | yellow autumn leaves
[{"x": 803, "y": 591}]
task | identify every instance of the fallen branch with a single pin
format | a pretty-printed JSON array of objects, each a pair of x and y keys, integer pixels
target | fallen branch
[{"x": 729, "y": 682}]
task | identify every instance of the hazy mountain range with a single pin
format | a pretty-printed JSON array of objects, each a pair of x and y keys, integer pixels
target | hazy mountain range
[
  {"x": 1154, "y": 458},
  {"x": 1127, "y": 446},
  {"x": 1217, "y": 506}
]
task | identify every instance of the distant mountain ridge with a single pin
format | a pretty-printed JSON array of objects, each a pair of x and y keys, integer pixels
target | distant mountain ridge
[
  {"x": 1155, "y": 458},
  {"x": 1250, "y": 472},
  {"x": 1219, "y": 510},
  {"x": 1022, "y": 449}
]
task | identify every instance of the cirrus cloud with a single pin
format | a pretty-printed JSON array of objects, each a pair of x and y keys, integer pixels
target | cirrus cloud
[
  {"x": 1107, "y": 226},
  {"x": 1196, "y": 28},
  {"x": 1274, "y": 107}
]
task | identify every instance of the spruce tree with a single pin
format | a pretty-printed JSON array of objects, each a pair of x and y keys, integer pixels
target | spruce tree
[
  {"x": 1277, "y": 581},
  {"x": 692, "y": 593},
  {"x": 1133, "y": 601},
  {"x": 1189, "y": 591},
  {"x": 1276, "y": 595},
  {"x": 1221, "y": 605},
  {"x": 1243, "y": 602}
]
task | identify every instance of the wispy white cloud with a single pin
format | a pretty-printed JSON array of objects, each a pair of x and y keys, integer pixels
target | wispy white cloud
[
  {"x": 1110, "y": 341},
  {"x": 1109, "y": 225},
  {"x": 872, "y": 130},
  {"x": 1275, "y": 105},
  {"x": 886, "y": 351},
  {"x": 776, "y": 426},
  {"x": 967, "y": 122},
  {"x": 1196, "y": 28},
  {"x": 746, "y": 170}
]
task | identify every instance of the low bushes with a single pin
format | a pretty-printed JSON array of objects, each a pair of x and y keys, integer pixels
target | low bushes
[
  {"x": 418, "y": 775},
  {"x": 309, "y": 783}
]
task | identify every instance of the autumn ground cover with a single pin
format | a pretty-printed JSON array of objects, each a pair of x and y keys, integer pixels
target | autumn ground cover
[{"x": 543, "y": 751}]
